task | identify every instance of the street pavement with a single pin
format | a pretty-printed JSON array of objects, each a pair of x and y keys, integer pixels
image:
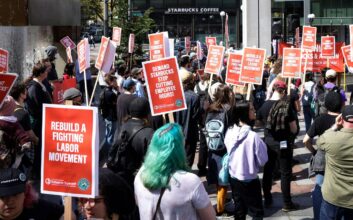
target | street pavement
[{"x": 300, "y": 188}]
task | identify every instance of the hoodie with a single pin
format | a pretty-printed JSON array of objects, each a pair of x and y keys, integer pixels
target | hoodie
[{"x": 247, "y": 152}]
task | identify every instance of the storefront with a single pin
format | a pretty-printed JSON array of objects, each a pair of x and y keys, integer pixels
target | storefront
[
  {"x": 194, "y": 18},
  {"x": 331, "y": 17}
]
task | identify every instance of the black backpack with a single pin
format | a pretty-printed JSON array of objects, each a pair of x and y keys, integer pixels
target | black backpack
[
  {"x": 320, "y": 107},
  {"x": 122, "y": 156},
  {"x": 277, "y": 121}
]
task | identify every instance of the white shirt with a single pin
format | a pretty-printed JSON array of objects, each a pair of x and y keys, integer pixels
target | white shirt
[{"x": 186, "y": 195}]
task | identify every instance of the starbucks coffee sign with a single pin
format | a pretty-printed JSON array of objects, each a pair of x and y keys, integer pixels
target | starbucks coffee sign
[{"x": 192, "y": 11}]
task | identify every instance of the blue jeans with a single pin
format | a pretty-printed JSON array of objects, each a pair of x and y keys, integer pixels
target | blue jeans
[
  {"x": 308, "y": 116},
  {"x": 332, "y": 212},
  {"x": 110, "y": 127},
  {"x": 317, "y": 196}
]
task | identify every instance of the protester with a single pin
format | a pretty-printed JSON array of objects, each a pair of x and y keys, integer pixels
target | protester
[
  {"x": 37, "y": 96},
  {"x": 136, "y": 76},
  {"x": 107, "y": 106},
  {"x": 14, "y": 140},
  {"x": 122, "y": 104},
  {"x": 279, "y": 119},
  {"x": 307, "y": 96},
  {"x": 318, "y": 127},
  {"x": 201, "y": 89},
  {"x": 19, "y": 93},
  {"x": 74, "y": 95},
  {"x": 247, "y": 153},
  {"x": 130, "y": 147},
  {"x": 51, "y": 52},
  {"x": 69, "y": 71},
  {"x": 336, "y": 189},
  {"x": 164, "y": 187},
  {"x": 188, "y": 118},
  {"x": 331, "y": 77},
  {"x": 221, "y": 110},
  {"x": 114, "y": 202},
  {"x": 81, "y": 82},
  {"x": 19, "y": 201}
]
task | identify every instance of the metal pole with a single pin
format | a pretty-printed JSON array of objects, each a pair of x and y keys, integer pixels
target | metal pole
[
  {"x": 222, "y": 31},
  {"x": 106, "y": 18}
]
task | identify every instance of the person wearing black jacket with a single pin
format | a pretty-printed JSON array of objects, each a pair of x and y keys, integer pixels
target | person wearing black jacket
[{"x": 136, "y": 128}]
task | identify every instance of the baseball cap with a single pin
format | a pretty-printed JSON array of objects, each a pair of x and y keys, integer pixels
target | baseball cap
[
  {"x": 279, "y": 84},
  {"x": 128, "y": 83},
  {"x": 12, "y": 182},
  {"x": 139, "y": 107},
  {"x": 51, "y": 51},
  {"x": 330, "y": 73},
  {"x": 71, "y": 93},
  {"x": 136, "y": 71},
  {"x": 347, "y": 113}
]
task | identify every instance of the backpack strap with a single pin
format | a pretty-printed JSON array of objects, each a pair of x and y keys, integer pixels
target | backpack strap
[
  {"x": 159, "y": 202},
  {"x": 134, "y": 131}
]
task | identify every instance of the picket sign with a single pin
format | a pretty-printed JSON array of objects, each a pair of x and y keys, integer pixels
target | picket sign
[
  {"x": 351, "y": 39},
  {"x": 4, "y": 61},
  {"x": 7, "y": 80},
  {"x": 83, "y": 60},
  {"x": 214, "y": 61},
  {"x": 305, "y": 67}
]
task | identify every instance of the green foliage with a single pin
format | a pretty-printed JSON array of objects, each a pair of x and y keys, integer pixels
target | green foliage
[{"x": 91, "y": 10}]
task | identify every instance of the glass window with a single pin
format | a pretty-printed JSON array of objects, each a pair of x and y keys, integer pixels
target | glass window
[
  {"x": 156, "y": 3},
  {"x": 229, "y": 3},
  {"x": 139, "y": 4},
  {"x": 201, "y": 3},
  {"x": 184, "y": 3},
  {"x": 171, "y": 3},
  {"x": 184, "y": 25}
]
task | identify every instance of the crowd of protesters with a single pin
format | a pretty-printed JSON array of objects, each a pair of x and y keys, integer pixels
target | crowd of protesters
[{"x": 148, "y": 160}]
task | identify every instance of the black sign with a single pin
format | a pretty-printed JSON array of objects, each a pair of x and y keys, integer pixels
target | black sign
[{"x": 192, "y": 11}]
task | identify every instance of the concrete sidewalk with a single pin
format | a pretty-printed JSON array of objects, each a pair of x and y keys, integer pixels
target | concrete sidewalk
[{"x": 300, "y": 188}]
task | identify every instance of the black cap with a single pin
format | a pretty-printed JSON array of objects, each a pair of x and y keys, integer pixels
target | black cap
[
  {"x": 347, "y": 113},
  {"x": 12, "y": 182},
  {"x": 139, "y": 108}
]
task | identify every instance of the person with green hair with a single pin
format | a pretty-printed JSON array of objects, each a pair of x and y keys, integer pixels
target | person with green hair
[{"x": 164, "y": 187}]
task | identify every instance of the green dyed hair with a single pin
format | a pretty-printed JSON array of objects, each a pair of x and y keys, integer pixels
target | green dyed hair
[{"x": 165, "y": 155}]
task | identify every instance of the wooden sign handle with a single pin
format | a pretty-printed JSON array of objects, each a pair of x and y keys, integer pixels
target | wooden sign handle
[
  {"x": 171, "y": 117},
  {"x": 249, "y": 92},
  {"x": 68, "y": 208},
  {"x": 86, "y": 90}
]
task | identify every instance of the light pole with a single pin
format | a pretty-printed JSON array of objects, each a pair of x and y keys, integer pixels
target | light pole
[
  {"x": 222, "y": 14},
  {"x": 311, "y": 18},
  {"x": 106, "y": 18}
]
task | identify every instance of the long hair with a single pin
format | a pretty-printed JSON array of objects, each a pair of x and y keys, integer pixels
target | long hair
[
  {"x": 224, "y": 96},
  {"x": 165, "y": 155}
]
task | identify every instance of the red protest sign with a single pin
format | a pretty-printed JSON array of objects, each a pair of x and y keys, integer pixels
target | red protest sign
[
  {"x": 328, "y": 46},
  {"x": 214, "y": 59},
  {"x": 67, "y": 42},
  {"x": 211, "y": 41},
  {"x": 187, "y": 44},
  {"x": 69, "y": 151},
  {"x": 252, "y": 65},
  {"x": 6, "y": 82},
  {"x": 116, "y": 35},
  {"x": 60, "y": 87},
  {"x": 291, "y": 67},
  {"x": 164, "y": 86},
  {"x": 131, "y": 43},
  {"x": 233, "y": 68},
  {"x": 4, "y": 61},
  {"x": 101, "y": 53},
  {"x": 309, "y": 38},
  {"x": 158, "y": 45},
  {"x": 83, "y": 54},
  {"x": 346, "y": 51},
  {"x": 308, "y": 58},
  {"x": 68, "y": 55}
]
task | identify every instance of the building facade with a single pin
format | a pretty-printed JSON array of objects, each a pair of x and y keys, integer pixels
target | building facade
[{"x": 194, "y": 18}]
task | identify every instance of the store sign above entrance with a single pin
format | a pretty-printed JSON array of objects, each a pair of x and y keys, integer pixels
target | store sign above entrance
[{"x": 192, "y": 11}]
